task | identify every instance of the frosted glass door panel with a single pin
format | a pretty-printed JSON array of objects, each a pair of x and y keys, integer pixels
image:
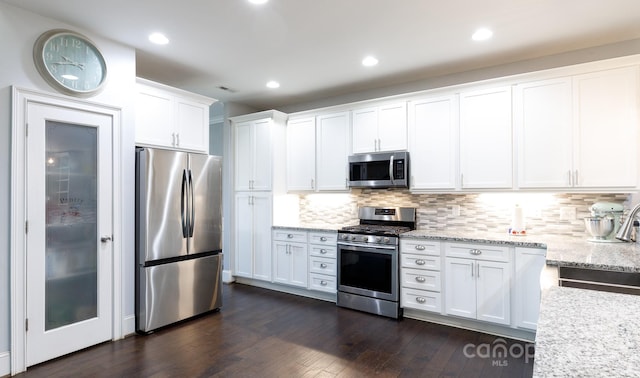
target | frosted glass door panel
[{"x": 71, "y": 274}]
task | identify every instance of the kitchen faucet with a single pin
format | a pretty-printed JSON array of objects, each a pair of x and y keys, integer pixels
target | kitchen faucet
[{"x": 624, "y": 233}]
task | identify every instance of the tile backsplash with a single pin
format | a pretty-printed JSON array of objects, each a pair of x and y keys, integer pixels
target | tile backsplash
[{"x": 544, "y": 213}]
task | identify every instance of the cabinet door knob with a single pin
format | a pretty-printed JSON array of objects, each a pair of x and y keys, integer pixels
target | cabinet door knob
[
  {"x": 323, "y": 238},
  {"x": 323, "y": 251},
  {"x": 420, "y": 300},
  {"x": 290, "y": 236},
  {"x": 421, "y": 279},
  {"x": 105, "y": 239},
  {"x": 323, "y": 265},
  {"x": 323, "y": 283},
  {"x": 420, "y": 262},
  {"x": 420, "y": 247}
]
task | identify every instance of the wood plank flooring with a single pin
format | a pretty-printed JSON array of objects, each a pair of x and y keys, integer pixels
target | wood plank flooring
[{"x": 262, "y": 333}]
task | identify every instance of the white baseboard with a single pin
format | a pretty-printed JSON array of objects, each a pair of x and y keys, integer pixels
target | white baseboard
[
  {"x": 129, "y": 325},
  {"x": 227, "y": 276},
  {"x": 5, "y": 364}
]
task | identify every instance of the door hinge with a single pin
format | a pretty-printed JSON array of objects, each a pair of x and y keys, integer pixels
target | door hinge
[{"x": 26, "y": 324}]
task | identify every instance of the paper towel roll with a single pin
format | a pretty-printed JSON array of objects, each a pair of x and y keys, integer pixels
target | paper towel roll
[{"x": 517, "y": 222}]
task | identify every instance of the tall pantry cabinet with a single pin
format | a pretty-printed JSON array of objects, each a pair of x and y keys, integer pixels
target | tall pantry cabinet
[{"x": 259, "y": 155}]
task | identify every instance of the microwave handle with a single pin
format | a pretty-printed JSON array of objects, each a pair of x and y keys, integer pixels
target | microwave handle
[{"x": 391, "y": 170}]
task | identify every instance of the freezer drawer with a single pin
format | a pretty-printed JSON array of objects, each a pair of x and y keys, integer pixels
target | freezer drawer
[{"x": 175, "y": 291}]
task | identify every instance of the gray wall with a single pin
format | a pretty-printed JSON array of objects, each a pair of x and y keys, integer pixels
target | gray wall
[{"x": 18, "y": 32}]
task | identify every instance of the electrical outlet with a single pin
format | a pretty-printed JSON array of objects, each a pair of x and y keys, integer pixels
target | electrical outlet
[
  {"x": 455, "y": 210},
  {"x": 568, "y": 213}
]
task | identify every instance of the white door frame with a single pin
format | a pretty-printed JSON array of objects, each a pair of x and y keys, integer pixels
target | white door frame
[{"x": 20, "y": 99}]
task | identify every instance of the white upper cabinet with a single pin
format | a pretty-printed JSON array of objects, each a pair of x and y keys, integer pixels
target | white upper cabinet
[
  {"x": 542, "y": 120},
  {"x": 332, "y": 133},
  {"x": 433, "y": 142},
  {"x": 606, "y": 128},
  {"x": 567, "y": 126},
  {"x": 253, "y": 155},
  {"x": 381, "y": 128},
  {"x": 171, "y": 118},
  {"x": 301, "y": 154},
  {"x": 317, "y": 153},
  {"x": 486, "y": 139}
]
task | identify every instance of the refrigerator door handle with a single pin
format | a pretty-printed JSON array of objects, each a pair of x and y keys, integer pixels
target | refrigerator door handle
[
  {"x": 192, "y": 217},
  {"x": 184, "y": 203}
]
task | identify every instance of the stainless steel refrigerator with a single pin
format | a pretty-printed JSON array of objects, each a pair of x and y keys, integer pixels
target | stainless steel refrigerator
[{"x": 178, "y": 236}]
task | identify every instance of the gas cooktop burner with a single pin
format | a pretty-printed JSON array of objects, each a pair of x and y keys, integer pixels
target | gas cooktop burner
[{"x": 375, "y": 230}]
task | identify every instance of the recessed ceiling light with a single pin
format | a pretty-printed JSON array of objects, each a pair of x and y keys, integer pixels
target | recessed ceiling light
[
  {"x": 158, "y": 38},
  {"x": 273, "y": 84},
  {"x": 369, "y": 61},
  {"x": 258, "y": 1},
  {"x": 482, "y": 34}
]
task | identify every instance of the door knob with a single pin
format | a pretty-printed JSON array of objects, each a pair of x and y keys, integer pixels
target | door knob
[{"x": 105, "y": 239}]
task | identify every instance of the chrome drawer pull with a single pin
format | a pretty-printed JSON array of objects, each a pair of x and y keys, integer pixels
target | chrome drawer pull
[
  {"x": 322, "y": 238},
  {"x": 475, "y": 251},
  {"x": 323, "y": 283},
  {"x": 420, "y": 262},
  {"x": 323, "y": 265},
  {"x": 420, "y": 279},
  {"x": 323, "y": 251},
  {"x": 420, "y": 247},
  {"x": 420, "y": 300}
]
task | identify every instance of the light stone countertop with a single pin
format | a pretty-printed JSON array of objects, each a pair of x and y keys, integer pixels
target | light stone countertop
[
  {"x": 318, "y": 227},
  {"x": 561, "y": 250},
  {"x": 586, "y": 333}
]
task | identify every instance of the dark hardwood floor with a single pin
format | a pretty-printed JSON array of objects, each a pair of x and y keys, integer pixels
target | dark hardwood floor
[{"x": 262, "y": 333}]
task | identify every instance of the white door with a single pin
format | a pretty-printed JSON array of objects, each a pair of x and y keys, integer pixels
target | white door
[
  {"x": 493, "y": 283},
  {"x": 70, "y": 227},
  {"x": 485, "y": 138},
  {"x": 364, "y": 130},
  {"x": 333, "y": 151},
  {"x": 392, "y": 127},
  {"x": 262, "y": 221},
  {"x": 301, "y": 154},
  {"x": 244, "y": 236},
  {"x": 460, "y": 289},
  {"x": 433, "y": 141}
]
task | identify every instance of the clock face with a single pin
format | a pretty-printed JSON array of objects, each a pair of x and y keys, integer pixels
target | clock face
[{"x": 70, "y": 62}]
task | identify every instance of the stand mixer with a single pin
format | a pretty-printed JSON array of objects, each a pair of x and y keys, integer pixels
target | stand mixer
[{"x": 604, "y": 222}]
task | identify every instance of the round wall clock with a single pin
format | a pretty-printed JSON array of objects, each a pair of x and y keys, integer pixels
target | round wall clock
[{"x": 70, "y": 62}]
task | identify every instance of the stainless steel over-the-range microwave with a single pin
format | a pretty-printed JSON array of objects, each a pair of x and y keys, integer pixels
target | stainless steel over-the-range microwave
[{"x": 379, "y": 170}]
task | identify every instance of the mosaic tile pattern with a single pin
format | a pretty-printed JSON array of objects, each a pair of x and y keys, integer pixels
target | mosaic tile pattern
[{"x": 490, "y": 212}]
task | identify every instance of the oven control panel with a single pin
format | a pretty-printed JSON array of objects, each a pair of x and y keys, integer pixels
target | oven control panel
[{"x": 368, "y": 239}]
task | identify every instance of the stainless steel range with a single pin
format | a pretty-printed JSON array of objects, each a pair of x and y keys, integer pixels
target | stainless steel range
[{"x": 368, "y": 260}]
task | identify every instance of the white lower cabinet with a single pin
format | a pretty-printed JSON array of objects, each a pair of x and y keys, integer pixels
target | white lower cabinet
[
  {"x": 323, "y": 265},
  {"x": 290, "y": 257},
  {"x": 529, "y": 263},
  {"x": 477, "y": 287},
  {"x": 420, "y": 279}
]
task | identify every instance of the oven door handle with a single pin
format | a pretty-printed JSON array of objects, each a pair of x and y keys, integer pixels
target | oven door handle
[{"x": 389, "y": 247}]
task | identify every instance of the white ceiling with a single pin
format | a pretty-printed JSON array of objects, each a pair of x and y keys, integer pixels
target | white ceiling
[{"x": 314, "y": 48}]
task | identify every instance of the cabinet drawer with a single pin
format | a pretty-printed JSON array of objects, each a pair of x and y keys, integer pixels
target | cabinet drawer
[
  {"x": 322, "y": 266},
  {"x": 328, "y": 238},
  {"x": 420, "y": 279},
  {"x": 478, "y": 252},
  {"x": 290, "y": 235},
  {"x": 420, "y": 246},
  {"x": 330, "y": 251},
  {"x": 321, "y": 282},
  {"x": 421, "y": 300},
  {"x": 408, "y": 260}
]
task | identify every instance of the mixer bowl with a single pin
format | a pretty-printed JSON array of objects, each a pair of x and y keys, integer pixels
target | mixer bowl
[{"x": 599, "y": 227}]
